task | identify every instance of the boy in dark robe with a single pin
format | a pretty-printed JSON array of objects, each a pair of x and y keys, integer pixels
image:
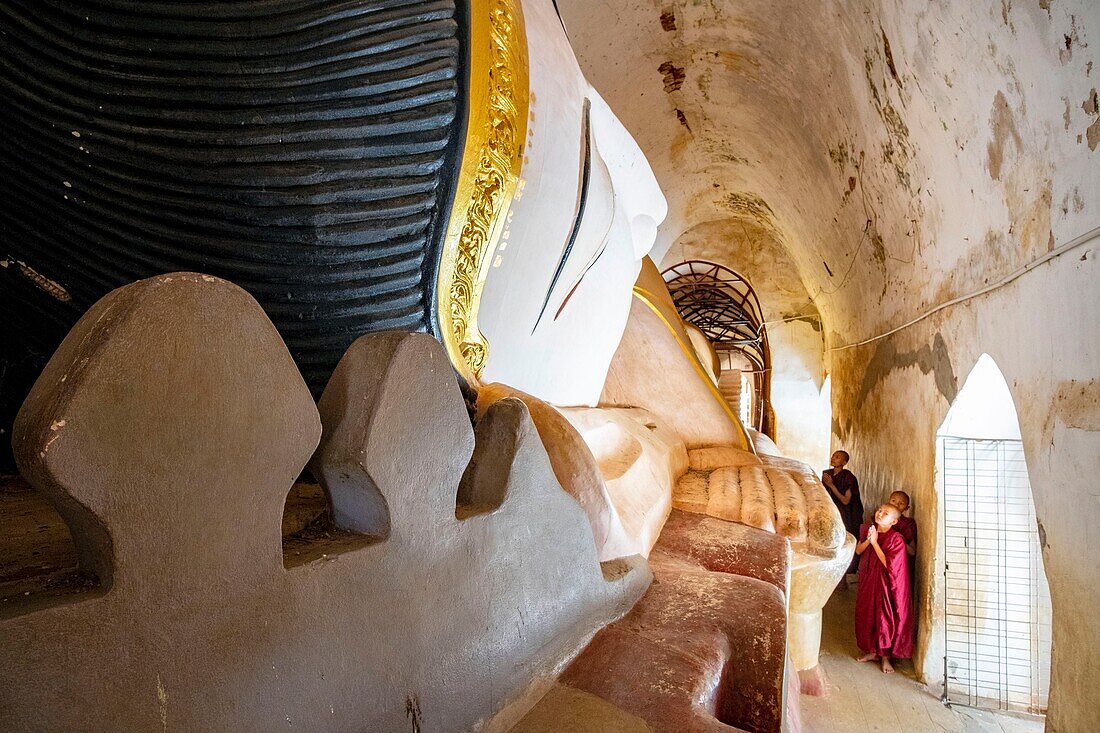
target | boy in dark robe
[
  {"x": 906, "y": 526},
  {"x": 844, "y": 491},
  {"x": 884, "y": 620}
]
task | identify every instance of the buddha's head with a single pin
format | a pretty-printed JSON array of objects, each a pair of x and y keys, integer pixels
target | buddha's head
[
  {"x": 321, "y": 176},
  {"x": 558, "y": 291}
]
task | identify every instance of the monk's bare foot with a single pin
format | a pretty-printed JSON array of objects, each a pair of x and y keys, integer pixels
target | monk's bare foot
[
  {"x": 868, "y": 658},
  {"x": 887, "y": 668}
]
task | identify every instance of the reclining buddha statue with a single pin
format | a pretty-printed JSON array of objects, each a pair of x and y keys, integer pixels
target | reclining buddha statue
[
  {"x": 419, "y": 165},
  {"x": 436, "y": 166}
]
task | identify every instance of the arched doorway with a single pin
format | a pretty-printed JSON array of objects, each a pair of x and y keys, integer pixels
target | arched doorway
[
  {"x": 723, "y": 305},
  {"x": 996, "y": 618}
]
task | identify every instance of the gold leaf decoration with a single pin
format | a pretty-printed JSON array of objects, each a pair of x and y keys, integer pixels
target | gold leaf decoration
[{"x": 488, "y": 177}]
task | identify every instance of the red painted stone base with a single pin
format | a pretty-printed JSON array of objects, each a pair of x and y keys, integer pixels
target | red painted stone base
[{"x": 704, "y": 650}]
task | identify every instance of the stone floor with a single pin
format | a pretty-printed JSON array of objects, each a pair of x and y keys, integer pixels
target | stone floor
[{"x": 861, "y": 699}]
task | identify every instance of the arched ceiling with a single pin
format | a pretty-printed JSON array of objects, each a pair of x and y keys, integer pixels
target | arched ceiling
[
  {"x": 755, "y": 250},
  {"x": 899, "y": 153}
]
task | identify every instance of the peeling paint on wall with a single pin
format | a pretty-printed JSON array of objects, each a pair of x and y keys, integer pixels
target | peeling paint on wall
[
  {"x": 673, "y": 76},
  {"x": 752, "y": 207},
  {"x": 1070, "y": 40},
  {"x": 668, "y": 19},
  {"x": 51, "y": 287},
  {"x": 1076, "y": 405},
  {"x": 1004, "y": 129},
  {"x": 934, "y": 359},
  {"x": 889, "y": 58},
  {"x": 682, "y": 118},
  {"x": 1091, "y": 107}
]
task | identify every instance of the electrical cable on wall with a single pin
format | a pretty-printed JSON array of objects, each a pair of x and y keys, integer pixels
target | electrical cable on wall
[{"x": 1057, "y": 252}]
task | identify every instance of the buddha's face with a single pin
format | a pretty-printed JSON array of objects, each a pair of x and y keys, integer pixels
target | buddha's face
[{"x": 558, "y": 292}]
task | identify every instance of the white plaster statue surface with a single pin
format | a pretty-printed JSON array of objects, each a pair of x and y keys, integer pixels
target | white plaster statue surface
[
  {"x": 639, "y": 459},
  {"x": 703, "y": 349},
  {"x": 553, "y": 333},
  {"x": 169, "y": 427},
  {"x": 618, "y": 464},
  {"x": 651, "y": 370}
]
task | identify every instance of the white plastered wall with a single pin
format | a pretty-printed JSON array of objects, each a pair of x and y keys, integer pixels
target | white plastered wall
[{"x": 907, "y": 153}]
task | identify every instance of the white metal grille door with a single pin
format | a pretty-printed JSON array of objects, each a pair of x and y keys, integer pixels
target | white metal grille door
[{"x": 997, "y": 600}]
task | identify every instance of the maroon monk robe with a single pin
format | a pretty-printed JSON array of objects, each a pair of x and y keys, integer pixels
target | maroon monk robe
[
  {"x": 907, "y": 528},
  {"x": 884, "y": 620},
  {"x": 852, "y": 512}
]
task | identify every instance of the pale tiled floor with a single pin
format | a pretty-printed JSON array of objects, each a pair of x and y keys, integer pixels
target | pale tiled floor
[{"x": 861, "y": 698}]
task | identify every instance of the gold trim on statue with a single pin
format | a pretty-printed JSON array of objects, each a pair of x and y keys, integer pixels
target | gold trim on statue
[
  {"x": 651, "y": 302},
  {"x": 489, "y": 174}
]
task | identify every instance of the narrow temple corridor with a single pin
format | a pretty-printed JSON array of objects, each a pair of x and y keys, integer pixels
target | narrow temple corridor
[
  {"x": 861, "y": 699},
  {"x": 543, "y": 366}
]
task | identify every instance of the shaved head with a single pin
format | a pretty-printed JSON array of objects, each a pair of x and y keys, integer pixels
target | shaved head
[
  {"x": 899, "y": 499},
  {"x": 887, "y": 515}
]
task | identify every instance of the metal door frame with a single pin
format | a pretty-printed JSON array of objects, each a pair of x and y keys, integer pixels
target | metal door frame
[{"x": 1016, "y": 544}]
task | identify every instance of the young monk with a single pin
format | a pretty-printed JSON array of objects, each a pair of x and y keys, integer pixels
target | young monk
[
  {"x": 884, "y": 622},
  {"x": 906, "y": 526},
  {"x": 844, "y": 491}
]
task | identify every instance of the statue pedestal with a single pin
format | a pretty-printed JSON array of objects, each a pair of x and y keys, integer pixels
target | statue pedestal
[{"x": 813, "y": 579}]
